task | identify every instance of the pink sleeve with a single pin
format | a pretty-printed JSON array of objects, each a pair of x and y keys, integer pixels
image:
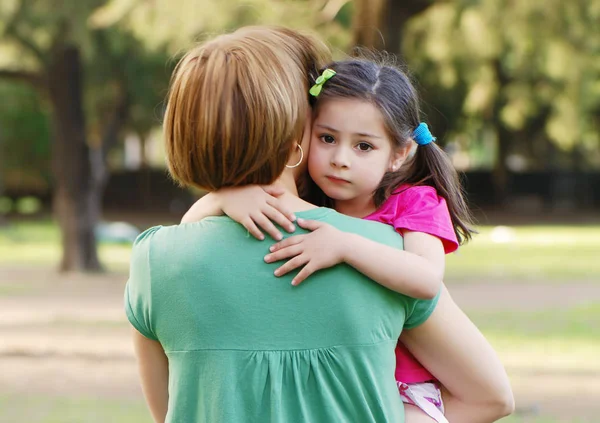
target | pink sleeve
[{"x": 421, "y": 209}]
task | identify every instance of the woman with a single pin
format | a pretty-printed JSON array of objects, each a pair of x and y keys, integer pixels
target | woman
[{"x": 218, "y": 337}]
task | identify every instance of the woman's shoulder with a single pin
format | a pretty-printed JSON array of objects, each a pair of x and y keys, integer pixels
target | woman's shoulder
[
  {"x": 146, "y": 235},
  {"x": 163, "y": 232}
]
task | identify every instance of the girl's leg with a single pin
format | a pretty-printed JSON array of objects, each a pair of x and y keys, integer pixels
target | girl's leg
[
  {"x": 422, "y": 402},
  {"x": 413, "y": 414}
]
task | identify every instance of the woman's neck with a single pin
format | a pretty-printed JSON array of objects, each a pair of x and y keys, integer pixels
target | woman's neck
[{"x": 290, "y": 197}]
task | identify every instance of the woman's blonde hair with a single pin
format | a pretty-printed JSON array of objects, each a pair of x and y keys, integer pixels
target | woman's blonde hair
[{"x": 236, "y": 105}]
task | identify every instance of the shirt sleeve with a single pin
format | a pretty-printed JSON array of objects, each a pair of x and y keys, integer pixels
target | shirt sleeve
[
  {"x": 138, "y": 290},
  {"x": 421, "y": 209},
  {"x": 420, "y": 311}
]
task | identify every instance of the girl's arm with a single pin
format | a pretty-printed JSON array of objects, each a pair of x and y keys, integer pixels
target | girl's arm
[
  {"x": 252, "y": 206},
  {"x": 417, "y": 271},
  {"x": 450, "y": 346},
  {"x": 416, "y": 275},
  {"x": 154, "y": 374}
]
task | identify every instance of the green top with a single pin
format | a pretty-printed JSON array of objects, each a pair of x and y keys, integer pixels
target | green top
[{"x": 245, "y": 346}]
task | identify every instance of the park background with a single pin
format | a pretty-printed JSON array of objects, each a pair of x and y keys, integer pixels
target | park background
[{"x": 511, "y": 89}]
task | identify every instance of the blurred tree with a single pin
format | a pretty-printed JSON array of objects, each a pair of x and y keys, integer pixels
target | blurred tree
[
  {"x": 24, "y": 139},
  {"x": 379, "y": 24},
  {"x": 525, "y": 71},
  {"x": 51, "y": 46},
  {"x": 159, "y": 23},
  {"x": 85, "y": 58},
  {"x": 49, "y": 39}
]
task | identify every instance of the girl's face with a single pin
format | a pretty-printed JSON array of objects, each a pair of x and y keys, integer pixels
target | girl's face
[{"x": 350, "y": 153}]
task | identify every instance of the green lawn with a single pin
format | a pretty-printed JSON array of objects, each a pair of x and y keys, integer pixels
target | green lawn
[
  {"x": 561, "y": 341},
  {"x": 529, "y": 253},
  {"x": 38, "y": 409},
  {"x": 38, "y": 243},
  {"x": 546, "y": 253}
]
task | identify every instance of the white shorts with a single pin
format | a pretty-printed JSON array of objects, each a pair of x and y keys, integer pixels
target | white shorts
[{"x": 427, "y": 396}]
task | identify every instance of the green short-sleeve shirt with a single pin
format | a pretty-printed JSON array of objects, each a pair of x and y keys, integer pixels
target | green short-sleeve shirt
[{"x": 245, "y": 346}]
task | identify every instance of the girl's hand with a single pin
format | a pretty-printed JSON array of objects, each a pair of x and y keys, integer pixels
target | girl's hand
[
  {"x": 324, "y": 247},
  {"x": 252, "y": 206}
]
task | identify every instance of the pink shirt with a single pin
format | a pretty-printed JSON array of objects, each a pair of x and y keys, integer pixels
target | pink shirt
[{"x": 418, "y": 209}]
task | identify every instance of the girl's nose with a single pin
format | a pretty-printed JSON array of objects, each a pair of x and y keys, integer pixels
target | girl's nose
[{"x": 340, "y": 159}]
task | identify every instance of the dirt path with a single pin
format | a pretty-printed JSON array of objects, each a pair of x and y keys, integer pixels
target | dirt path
[{"x": 68, "y": 336}]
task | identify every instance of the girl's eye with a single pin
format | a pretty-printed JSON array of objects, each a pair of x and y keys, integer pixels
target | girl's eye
[
  {"x": 327, "y": 139},
  {"x": 363, "y": 146}
]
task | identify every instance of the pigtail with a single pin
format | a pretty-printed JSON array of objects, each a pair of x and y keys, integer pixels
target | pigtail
[{"x": 430, "y": 165}]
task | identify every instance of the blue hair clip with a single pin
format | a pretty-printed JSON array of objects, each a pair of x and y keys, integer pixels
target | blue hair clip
[{"x": 421, "y": 135}]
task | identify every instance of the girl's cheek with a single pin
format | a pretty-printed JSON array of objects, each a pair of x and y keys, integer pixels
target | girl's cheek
[{"x": 313, "y": 162}]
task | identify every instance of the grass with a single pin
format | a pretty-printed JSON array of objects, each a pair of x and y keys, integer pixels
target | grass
[
  {"x": 38, "y": 243},
  {"x": 548, "y": 253},
  {"x": 539, "y": 253},
  {"x": 572, "y": 324},
  {"x": 547, "y": 340},
  {"x": 44, "y": 409}
]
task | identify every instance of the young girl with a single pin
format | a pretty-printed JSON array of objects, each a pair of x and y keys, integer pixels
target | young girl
[{"x": 366, "y": 122}]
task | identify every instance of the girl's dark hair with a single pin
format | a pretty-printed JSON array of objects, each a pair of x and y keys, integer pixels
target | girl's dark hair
[{"x": 391, "y": 91}]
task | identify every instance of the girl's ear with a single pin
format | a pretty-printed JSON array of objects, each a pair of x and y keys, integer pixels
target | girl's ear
[{"x": 398, "y": 157}]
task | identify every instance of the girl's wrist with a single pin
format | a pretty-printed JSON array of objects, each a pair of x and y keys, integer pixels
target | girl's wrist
[
  {"x": 214, "y": 203},
  {"x": 348, "y": 241}
]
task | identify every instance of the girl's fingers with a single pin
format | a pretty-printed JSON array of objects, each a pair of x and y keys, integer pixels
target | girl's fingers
[
  {"x": 291, "y": 265},
  {"x": 293, "y": 240},
  {"x": 311, "y": 225},
  {"x": 303, "y": 274},
  {"x": 276, "y": 216},
  {"x": 284, "y": 253},
  {"x": 263, "y": 221},
  {"x": 276, "y": 204},
  {"x": 251, "y": 227}
]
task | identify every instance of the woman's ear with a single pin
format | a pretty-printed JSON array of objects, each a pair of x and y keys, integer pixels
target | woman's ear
[{"x": 399, "y": 157}]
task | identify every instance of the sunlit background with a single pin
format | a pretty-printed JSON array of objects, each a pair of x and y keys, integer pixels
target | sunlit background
[{"x": 510, "y": 88}]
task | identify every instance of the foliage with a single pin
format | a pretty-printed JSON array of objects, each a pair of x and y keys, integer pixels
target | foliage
[
  {"x": 487, "y": 69},
  {"x": 530, "y": 67},
  {"x": 160, "y": 24},
  {"x": 24, "y": 137}
]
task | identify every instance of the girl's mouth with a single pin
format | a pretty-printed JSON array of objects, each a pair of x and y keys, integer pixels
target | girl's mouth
[{"x": 337, "y": 180}]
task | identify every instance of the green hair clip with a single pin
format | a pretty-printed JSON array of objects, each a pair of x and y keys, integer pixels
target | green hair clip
[{"x": 325, "y": 76}]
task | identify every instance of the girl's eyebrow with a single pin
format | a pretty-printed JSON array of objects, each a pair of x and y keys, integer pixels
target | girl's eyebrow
[
  {"x": 329, "y": 128},
  {"x": 360, "y": 134}
]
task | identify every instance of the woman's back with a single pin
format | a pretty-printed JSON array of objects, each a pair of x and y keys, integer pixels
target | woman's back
[{"x": 246, "y": 346}]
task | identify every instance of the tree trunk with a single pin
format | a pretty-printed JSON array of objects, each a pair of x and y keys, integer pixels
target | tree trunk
[
  {"x": 3, "y": 221},
  {"x": 76, "y": 201},
  {"x": 378, "y": 24},
  {"x": 500, "y": 173}
]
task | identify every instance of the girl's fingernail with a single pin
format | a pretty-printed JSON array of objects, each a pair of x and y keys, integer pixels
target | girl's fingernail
[
  {"x": 278, "y": 237},
  {"x": 267, "y": 258},
  {"x": 276, "y": 273},
  {"x": 293, "y": 217},
  {"x": 294, "y": 282},
  {"x": 272, "y": 248}
]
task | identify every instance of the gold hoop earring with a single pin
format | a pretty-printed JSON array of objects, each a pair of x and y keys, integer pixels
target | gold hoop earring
[{"x": 299, "y": 161}]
